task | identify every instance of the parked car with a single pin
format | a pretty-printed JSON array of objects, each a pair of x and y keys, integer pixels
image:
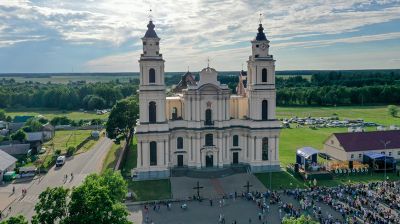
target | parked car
[{"x": 60, "y": 161}]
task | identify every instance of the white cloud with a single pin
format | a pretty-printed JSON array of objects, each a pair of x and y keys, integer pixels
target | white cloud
[
  {"x": 194, "y": 29},
  {"x": 348, "y": 40}
]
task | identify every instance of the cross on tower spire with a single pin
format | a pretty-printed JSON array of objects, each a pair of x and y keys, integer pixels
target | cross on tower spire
[
  {"x": 150, "y": 15},
  {"x": 260, "y": 19},
  {"x": 208, "y": 62}
]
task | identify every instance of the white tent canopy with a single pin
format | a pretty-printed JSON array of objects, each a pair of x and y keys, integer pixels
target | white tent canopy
[{"x": 306, "y": 152}]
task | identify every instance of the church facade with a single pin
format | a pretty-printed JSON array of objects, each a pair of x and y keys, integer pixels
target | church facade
[{"x": 204, "y": 125}]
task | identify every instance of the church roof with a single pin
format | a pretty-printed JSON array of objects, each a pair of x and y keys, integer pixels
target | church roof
[
  {"x": 150, "y": 33},
  {"x": 261, "y": 35},
  {"x": 187, "y": 79},
  {"x": 242, "y": 84}
]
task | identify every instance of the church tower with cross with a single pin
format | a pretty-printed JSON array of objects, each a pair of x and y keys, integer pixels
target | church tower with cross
[
  {"x": 152, "y": 127},
  {"x": 201, "y": 126}
]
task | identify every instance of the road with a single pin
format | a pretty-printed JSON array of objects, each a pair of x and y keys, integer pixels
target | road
[{"x": 80, "y": 165}]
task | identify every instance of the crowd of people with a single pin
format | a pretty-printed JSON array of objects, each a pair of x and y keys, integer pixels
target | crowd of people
[
  {"x": 358, "y": 203},
  {"x": 375, "y": 203}
]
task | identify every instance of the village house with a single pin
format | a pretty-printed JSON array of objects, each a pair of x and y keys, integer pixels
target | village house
[{"x": 352, "y": 146}]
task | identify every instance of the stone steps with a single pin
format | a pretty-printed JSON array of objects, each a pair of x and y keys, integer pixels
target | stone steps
[{"x": 208, "y": 173}]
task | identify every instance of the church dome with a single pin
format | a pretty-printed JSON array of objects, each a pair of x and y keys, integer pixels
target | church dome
[
  {"x": 150, "y": 33},
  {"x": 261, "y": 35}
]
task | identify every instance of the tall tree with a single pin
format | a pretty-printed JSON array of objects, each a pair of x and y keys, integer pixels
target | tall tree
[
  {"x": 122, "y": 118},
  {"x": 301, "y": 220},
  {"x": 15, "y": 220},
  {"x": 20, "y": 135},
  {"x": 2, "y": 115},
  {"x": 52, "y": 206},
  {"x": 98, "y": 200}
]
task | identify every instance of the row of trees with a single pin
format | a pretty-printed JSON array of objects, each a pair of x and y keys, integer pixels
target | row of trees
[
  {"x": 97, "y": 201},
  {"x": 339, "y": 95},
  {"x": 64, "y": 96},
  {"x": 323, "y": 88}
]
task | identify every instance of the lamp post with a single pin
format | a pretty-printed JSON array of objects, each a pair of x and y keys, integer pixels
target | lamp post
[
  {"x": 385, "y": 143},
  {"x": 270, "y": 170}
]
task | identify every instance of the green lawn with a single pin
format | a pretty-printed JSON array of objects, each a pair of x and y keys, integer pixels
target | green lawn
[
  {"x": 111, "y": 157},
  {"x": 150, "y": 189},
  {"x": 280, "y": 180},
  {"x": 284, "y": 180},
  {"x": 49, "y": 114},
  {"x": 292, "y": 139},
  {"x": 378, "y": 114},
  {"x": 65, "y": 138},
  {"x": 130, "y": 159}
]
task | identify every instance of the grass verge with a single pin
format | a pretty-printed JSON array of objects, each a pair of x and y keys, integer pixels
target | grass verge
[
  {"x": 150, "y": 189},
  {"x": 284, "y": 180},
  {"x": 280, "y": 180},
  {"x": 111, "y": 157},
  {"x": 130, "y": 161}
]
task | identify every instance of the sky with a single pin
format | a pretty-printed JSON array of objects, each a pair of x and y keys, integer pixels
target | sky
[{"x": 104, "y": 35}]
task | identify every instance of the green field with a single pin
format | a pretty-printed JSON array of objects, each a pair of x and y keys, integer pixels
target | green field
[
  {"x": 294, "y": 138},
  {"x": 49, "y": 114},
  {"x": 65, "y": 138}
]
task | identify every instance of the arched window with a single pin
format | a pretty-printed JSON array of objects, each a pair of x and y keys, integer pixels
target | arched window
[
  {"x": 208, "y": 117},
  {"x": 174, "y": 113},
  {"x": 264, "y": 110},
  {"x": 152, "y": 112},
  {"x": 265, "y": 148},
  {"x": 152, "y": 75},
  {"x": 235, "y": 140},
  {"x": 179, "y": 143},
  {"x": 264, "y": 75},
  {"x": 153, "y": 153},
  {"x": 209, "y": 140}
]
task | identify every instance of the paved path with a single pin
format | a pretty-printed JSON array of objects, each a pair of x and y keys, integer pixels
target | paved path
[
  {"x": 182, "y": 187},
  {"x": 80, "y": 165}
]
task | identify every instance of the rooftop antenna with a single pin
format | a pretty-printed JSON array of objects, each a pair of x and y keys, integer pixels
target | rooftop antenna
[{"x": 208, "y": 62}]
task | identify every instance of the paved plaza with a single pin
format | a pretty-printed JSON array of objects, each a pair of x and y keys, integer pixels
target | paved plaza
[
  {"x": 233, "y": 209},
  {"x": 239, "y": 210},
  {"x": 182, "y": 187}
]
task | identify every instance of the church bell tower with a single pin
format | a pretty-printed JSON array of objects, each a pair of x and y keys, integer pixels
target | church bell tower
[
  {"x": 152, "y": 86},
  {"x": 152, "y": 129},
  {"x": 261, "y": 79}
]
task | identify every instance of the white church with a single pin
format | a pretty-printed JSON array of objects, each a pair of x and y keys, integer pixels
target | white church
[{"x": 203, "y": 125}]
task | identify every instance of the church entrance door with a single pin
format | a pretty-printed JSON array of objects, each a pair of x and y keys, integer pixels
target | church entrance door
[
  {"x": 235, "y": 158},
  {"x": 209, "y": 160},
  {"x": 180, "y": 160}
]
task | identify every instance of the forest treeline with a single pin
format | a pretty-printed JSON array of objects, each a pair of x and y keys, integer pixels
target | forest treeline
[
  {"x": 334, "y": 88},
  {"x": 64, "y": 96},
  {"x": 319, "y": 88}
]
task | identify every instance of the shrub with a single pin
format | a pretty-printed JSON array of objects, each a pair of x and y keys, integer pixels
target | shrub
[
  {"x": 57, "y": 152},
  {"x": 70, "y": 151},
  {"x": 393, "y": 110}
]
